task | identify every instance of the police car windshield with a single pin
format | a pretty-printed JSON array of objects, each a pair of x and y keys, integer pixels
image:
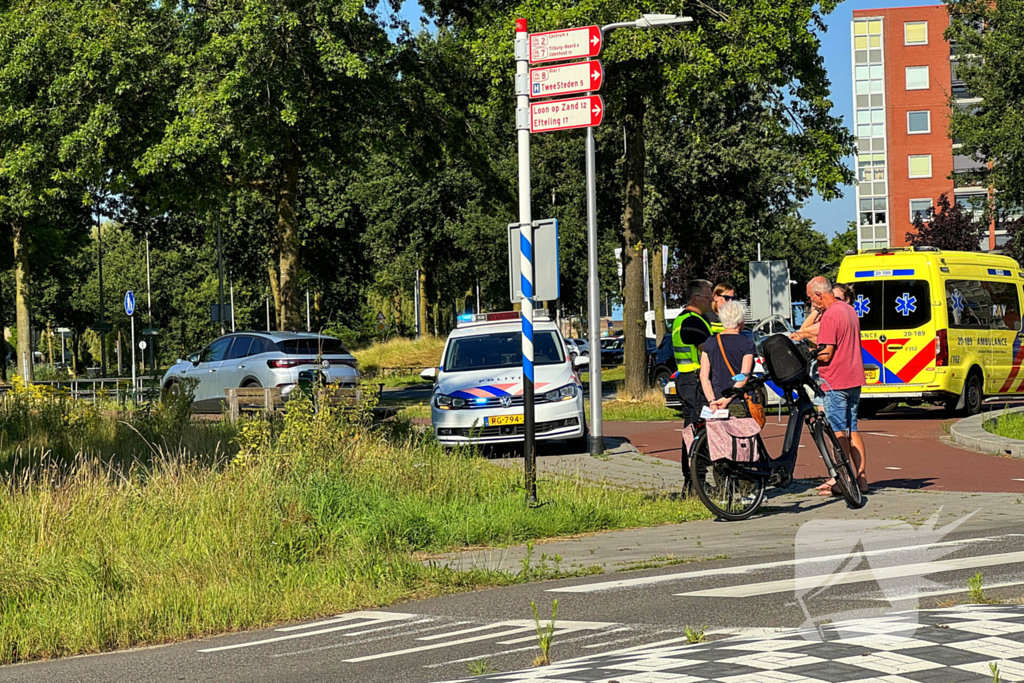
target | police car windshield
[{"x": 500, "y": 350}]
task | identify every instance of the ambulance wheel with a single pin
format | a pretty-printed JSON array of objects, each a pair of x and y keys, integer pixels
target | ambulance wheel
[{"x": 974, "y": 394}]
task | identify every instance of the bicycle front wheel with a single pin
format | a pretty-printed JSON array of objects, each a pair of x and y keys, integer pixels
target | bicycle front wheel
[
  {"x": 722, "y": 486},
  {"x": 839, "y": 463}
]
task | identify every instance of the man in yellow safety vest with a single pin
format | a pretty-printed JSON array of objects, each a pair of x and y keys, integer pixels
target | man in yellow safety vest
[{"x": 690, "y": 330}]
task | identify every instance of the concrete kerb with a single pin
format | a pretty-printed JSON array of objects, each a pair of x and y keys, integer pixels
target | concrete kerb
[{"x": 970, "y": 433}]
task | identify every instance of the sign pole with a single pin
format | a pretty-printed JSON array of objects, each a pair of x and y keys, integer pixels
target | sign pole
[
  {"x": 526, "y": 252},
  {"x": 132, "y": 318},
  {"x": 593, "y": 303}
]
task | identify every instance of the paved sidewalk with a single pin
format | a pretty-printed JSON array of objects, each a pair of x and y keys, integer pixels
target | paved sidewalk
[
  {"x": 950, "y": 645},
  {"x": 621, "y": 465}
]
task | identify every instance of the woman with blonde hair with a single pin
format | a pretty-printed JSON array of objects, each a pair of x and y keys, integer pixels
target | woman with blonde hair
[{"x": 727, "y": 349}]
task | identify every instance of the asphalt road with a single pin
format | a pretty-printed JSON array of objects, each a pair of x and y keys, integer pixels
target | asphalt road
[{"x": 438, "y": 639}]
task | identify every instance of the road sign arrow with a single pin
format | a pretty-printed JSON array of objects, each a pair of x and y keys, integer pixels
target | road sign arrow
[
  {"x": 575, "y": 112},
  {"x": 566, "y": 79},
  {"x": 570, "y": 43}
]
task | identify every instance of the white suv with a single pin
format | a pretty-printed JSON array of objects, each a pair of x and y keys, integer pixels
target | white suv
[
  {"x": 260, "y": 359},
  {"x": 478, "y": 395}
]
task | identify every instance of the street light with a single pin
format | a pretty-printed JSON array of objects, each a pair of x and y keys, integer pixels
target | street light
[{"x": 593, "y": 286}]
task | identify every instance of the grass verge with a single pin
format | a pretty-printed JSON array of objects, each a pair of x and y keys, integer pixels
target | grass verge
[
  {"x": 400, "y": 353},
  {"x": 310, "y": 515},
  {"x": 1007, "y": 424}
]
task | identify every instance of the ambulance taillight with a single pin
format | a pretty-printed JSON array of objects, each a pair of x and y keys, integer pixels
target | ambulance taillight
[{"x": 941, "y": 349}]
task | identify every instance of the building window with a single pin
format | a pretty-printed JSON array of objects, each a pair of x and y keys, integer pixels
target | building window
[
  {"x": 920, "y": 207},
  {"x": 917, "y": 78},
  {"x": 920, "y": 165},
  {"x": 919, "y": 122},
  {"x": 915, "y": 33}
]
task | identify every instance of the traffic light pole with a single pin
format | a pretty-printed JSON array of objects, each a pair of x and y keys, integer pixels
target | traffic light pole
[{"x": 526, "y": 254}]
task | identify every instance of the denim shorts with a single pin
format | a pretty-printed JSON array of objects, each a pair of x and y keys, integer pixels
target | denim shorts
[{"x": 841, "y": 409}]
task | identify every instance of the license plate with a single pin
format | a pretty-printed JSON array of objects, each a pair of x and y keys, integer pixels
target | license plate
[
  {"x": 871, "y": 375},
  {"x": 501, "y": 420}
]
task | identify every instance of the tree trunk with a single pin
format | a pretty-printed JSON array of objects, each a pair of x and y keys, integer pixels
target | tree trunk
[
  {"x": 288, "y": 233},
  {"x": 21, "y": 304},
  {"x": 275, "y": 288},
  {"x": 633, "y": 324},
  {"x": 424, "y": 306},
  {"x": 658, "y": 280},
  {"x": 316, "y": 310}
]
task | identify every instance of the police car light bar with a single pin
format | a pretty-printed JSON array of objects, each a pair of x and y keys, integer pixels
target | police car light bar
[{"x": 499, "y": 317}]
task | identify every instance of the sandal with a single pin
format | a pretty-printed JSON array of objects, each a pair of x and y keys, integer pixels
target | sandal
[
  {"x": 827, "y": 490},
  {"x": 827, "y": 485}
]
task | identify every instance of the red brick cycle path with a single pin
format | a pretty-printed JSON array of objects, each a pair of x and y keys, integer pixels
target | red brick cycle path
[{"x": 903, "y": 451}]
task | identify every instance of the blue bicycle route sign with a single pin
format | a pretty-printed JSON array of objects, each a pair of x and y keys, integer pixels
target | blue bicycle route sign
[{"x": 129, "y": 302}]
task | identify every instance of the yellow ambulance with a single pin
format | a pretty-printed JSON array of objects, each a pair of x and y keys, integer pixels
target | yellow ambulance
[{"x": 936, "y": 326}]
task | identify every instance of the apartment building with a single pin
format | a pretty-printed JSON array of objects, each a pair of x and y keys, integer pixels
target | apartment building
[{"x": 904, "y": 72}]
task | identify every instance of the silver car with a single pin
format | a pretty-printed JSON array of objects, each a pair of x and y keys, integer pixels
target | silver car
[{"x": 260, "y": 359}]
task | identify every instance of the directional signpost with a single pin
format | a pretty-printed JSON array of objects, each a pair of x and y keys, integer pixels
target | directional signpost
[
  {"x": 545, "y": 117},
  {"x": 575, "y": 112},
  {"x": 570, "y": 43},
  {"x": 129, "y": 309},
  {"x": 566, "y": 79}
]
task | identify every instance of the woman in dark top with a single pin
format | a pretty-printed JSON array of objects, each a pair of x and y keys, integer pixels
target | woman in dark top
[{"x": 715, "y": 376}]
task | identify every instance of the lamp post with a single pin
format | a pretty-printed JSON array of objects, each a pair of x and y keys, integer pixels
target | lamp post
[{"x": 593, "y": 285}]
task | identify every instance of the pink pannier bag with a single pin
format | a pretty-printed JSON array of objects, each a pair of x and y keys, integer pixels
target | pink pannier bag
[{"x": 733, "y": 439}]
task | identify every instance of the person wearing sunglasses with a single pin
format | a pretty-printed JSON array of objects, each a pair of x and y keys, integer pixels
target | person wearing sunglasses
[{"x": 722, "y": 294}]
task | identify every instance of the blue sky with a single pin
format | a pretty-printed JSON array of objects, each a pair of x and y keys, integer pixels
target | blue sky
[{"x": 831, "y": 216}]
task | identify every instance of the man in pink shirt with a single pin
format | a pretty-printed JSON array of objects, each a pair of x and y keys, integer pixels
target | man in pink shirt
[{"x": 841, "y": 370}]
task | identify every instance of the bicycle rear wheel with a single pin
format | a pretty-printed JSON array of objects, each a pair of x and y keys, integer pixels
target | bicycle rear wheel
[
  {"x": 722, "y": 486},
  {"x": 837, "y": 459}
]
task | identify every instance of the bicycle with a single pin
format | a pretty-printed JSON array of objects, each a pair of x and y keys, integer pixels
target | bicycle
[{"x": 734, "y": 491}]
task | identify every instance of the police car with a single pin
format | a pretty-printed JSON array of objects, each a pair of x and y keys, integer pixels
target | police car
[{"x": 478, "y": 391}]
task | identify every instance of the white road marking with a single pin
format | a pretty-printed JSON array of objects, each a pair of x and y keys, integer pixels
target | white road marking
[
  {"x": 951, "y": 591},
  {"x": 513, "y": 627},
  {"x": 388, "y": 628},
  {"x": 278, "y": 639},
  {"x": 751, "y": 568},
  {"x": 1017, "y": 480},
  {"x": 525, "y": 649},
  {"x": 858, "y": 576},
  {"x": 375, "y": 616},
  {"x": 434, "y": 646},
  {"x": 362, "y": 641},
  {"x": 475, "y": 629},
  {"x": 883, "y": 434},
  {"x": 894, "y": 468}
]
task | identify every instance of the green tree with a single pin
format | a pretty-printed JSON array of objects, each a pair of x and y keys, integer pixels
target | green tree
[
  {"x": 77, "y": 80},
  {"x": 268, "y": 89},
  {"x": 989, "y": 40}
]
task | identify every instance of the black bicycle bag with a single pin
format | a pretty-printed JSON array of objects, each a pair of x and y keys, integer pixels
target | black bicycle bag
[{"x": 783, "y": 360}]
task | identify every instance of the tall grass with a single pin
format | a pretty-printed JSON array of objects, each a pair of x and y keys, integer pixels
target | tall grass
[
  {"x": 400, "y": 353},
  {"x": 313, "y": 514}
]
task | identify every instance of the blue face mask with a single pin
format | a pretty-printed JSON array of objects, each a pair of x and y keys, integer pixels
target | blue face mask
[{"x": 739, "y": 378}]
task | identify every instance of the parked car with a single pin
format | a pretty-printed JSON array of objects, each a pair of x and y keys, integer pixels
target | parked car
[
  {"x": 614, "y": 352},
  {"x": 260, "y": 359},
  {"x": 581, "y": 344}
]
